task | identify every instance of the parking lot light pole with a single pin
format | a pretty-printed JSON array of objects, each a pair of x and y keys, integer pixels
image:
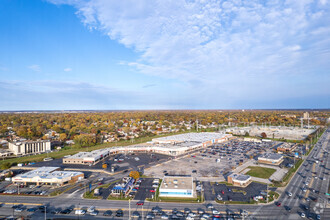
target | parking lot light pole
[
  {"x": 45, "y": 212},
  {"x": 267, "y": 193}
]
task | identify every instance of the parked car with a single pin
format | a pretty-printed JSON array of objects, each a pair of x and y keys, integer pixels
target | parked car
[
  {"x": 119, "y": 213},
  {"x": 91, "y": 209},
  {"x": 107, "y": 213},
  {"x": 94, "y": 213},
  {"x": 80, "y": 212}
]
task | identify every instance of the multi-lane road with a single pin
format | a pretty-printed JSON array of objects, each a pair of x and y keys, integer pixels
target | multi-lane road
[{"x": 302, "y": 195}]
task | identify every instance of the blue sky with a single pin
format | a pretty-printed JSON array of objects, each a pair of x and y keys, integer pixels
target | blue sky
[{"x": 103, "y": 54}]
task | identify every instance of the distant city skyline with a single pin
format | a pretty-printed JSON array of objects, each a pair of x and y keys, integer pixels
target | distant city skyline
[{"x": 135, "y": 55}]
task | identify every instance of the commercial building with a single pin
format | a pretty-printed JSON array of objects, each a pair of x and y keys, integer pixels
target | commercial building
[
  {"x": 279, "y": 132},
  {"x": 271, "y": 158},
  {"x": 87, "y": 157},
  {"x": 252, "y": 140},
  {"x": 172, "y": 145},
  {"x": 205, "y": 138},
  {"x": 124, "y": 187},
  {"x": 239, "y": 179},
  {"x": 306, "y": 115},
  {"x": 48, "y": 176},
  {"x": 286, "y": 147},
  {"x": 5, "y": 153},
  {"x": 175, "y": 186},
  {"x": 29, "y": 147}
]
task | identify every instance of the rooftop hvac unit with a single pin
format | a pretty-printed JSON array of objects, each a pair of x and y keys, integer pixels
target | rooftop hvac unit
[
  {"x": 175, "y": 181},
  {"x": 175, "y": 186}
]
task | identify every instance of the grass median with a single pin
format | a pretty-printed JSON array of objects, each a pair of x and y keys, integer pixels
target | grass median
[
  {"x": 90, "y": 195},
  {"x": 260, "y": 172}
]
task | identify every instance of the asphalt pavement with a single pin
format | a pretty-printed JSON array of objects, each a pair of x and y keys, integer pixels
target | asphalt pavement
[{"x": 270, "y": 211}]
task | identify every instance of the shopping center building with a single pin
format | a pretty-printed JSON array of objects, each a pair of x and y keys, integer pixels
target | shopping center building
[
  {"x": 48, "y": 176},
  {"x": 239, "y": 179},
  {"x": 172, "y": 145},
  {"x": 177, "y": 186},
  {"x": 271, "y": 158}
]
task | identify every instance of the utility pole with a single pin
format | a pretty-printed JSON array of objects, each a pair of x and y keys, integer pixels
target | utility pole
[{"x": 129, "y": 209}]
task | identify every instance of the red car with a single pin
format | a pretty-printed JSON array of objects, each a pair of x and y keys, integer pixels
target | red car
[
  {"x": 193, "y": 156},
  {"x": 223, "y": 192},
  {"x": 278, "y": 204},
  {"x": 136, "y": 187},
  {"x": 152, "y": 190},
  {"x": 139, "y": 203}
]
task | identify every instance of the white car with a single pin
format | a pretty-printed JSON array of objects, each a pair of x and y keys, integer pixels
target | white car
[
  {"x": 80, "y": 212},
  {"x": 201, "y": 211},
  {"x": 205, "y": 216},
  {"x": 289, "y": 194},
  {"x": 209, "y": 206},
  {"x": 216, "y": 212},
  {"x": 94, "y": 213},
  {"x": 192, "y": 214},
  {"x": 302, "y": 215},
  {"x": 19, "y": 210},
  {"x": 91, "y": 209},
  {"x": 164, "y": 216}
]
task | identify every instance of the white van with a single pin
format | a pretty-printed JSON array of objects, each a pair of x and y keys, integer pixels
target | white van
[{"x": 80, "y": 212}]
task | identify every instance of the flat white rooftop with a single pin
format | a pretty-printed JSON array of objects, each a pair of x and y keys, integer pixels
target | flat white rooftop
[
  {"x": 192, "y": 137},
  {"x": 92, "y": 154},
  {"x": 271, "y": 156},
  {"x": 48, "y": 173},
  {"x": 177, "y": 182}
]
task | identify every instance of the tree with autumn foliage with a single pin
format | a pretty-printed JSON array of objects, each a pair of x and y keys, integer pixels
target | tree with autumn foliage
[{"x": 134, "y": 174}]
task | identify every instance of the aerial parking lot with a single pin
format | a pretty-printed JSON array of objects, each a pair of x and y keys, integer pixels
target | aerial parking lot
[
  {"x": 121, "y": 162},
  {"x": 213, "y": 161},
  {"x": 214, "y": 191}
]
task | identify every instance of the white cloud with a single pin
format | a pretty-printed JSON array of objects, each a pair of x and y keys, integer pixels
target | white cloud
[
  {"x": 35, "y": 68},
  {"x": 228, "y": 44},
  {"x": 68, "y": 69}
]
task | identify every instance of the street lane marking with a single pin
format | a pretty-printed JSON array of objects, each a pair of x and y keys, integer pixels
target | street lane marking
[{"x": 19, "y": 203}]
